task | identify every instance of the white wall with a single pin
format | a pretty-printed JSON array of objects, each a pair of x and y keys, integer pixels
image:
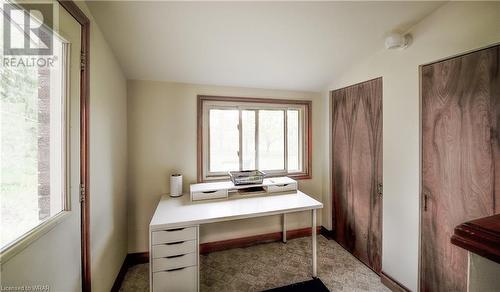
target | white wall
[
  {"x": 162, "y": 140},
  {"x": 452, "y": 29},
  {"x": 54, "y": 259}
]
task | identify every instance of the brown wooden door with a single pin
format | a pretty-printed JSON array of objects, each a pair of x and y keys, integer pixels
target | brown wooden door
[
  {"x": 357, "y": 170},
  {"x": 460, "y": 147}
]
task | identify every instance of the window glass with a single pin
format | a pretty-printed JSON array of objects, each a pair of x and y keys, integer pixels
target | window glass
[
  {"x": 271, "y": 140},
  {"x": 248, "y": 139},
  {"x": 293, "y": 140},
  {"x": 224, "y": 140},
  {"x": 33, "y": 145}
]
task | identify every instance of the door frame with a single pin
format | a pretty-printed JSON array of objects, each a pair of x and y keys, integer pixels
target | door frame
[
  {"x": 420, "y": 146},
  {"x": 84, "y": 22}
]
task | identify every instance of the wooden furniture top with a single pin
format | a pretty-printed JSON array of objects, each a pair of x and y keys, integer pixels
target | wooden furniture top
[{"x": 480, "y": 236}]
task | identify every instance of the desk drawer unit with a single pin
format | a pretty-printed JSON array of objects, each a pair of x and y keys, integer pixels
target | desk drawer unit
[
  {"x": 176, "y": 280},
  {"x": 207, "y": 195},
  {"x": 174, "y": 248},
  {"x": 174, "y": 262},
  {"x": 290, "y": 187},
  {"x": 174, "y": 235}
]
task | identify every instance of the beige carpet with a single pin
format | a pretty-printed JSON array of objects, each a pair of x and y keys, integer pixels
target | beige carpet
[{"x": 271, "y": 265}]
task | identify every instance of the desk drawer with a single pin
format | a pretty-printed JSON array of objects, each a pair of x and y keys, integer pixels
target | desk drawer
[
  {"x": 178, "y": 280},
  {"x": 174, "y": 248},
  {"x": 218, "y": 194},
  {"x": 290, "y": 187},
  {"x": 174, "y": 235},
  {"x": 174, "y": 262}
]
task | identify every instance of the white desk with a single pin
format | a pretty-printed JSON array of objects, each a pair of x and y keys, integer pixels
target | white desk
[{"x": 174, "y": 232}]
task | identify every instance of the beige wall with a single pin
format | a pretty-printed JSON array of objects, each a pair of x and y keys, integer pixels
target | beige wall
[
  {"x": 162, "y": 140},
  {"x": 54, "y": 258},
  {"x": 108, "y": 161},
  {"x": 483, "y": 274},
  {"x": 454, "y": 28}
]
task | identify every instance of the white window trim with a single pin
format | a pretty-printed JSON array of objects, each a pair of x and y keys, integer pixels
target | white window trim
[
  {"x": 19, "y": 244},
  {"x": 207, "y": 103}
]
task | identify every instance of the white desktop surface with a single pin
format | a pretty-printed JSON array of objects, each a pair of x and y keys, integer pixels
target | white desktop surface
[{"x": 181, "y": 212}]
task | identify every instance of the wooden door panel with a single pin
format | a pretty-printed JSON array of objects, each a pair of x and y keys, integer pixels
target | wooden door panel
[
  {"x": 458, "y": 177},
  {"x": 339, "y": 171},
  {"x": 357, "y": 169},
  {"x": 361, "y": 183}
]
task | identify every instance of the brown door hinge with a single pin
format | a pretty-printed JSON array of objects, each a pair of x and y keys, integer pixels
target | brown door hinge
[
  {"x": 82, "y": 61},
  {"x": 82, "y": 193}
]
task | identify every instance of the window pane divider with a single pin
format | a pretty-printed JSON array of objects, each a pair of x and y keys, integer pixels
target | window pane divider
[
  {"x": 285, "y": 137},
  {"x": 240, "y": 133},
  {"x": 256, "y": 139}
]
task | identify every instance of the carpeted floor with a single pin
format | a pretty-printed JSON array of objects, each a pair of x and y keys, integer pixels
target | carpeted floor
[{"x": 272, "y": 265}]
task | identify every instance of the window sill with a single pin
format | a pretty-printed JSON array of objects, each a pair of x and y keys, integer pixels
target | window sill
[
  {"x": 23, "y": 242},
  {"x": 300, "y": 176}
]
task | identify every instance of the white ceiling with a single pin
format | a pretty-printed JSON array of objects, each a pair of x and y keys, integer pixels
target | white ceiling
[{"x": 280, "y": 45}]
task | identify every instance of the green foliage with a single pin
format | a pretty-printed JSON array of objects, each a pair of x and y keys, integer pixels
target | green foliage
[{"x": 19, "y": 126}]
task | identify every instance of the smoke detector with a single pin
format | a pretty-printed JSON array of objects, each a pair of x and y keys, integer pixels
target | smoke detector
[{"x": 397, "y": 41}]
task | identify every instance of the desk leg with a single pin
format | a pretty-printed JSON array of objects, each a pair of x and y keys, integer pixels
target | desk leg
[
  {"x": 314, "y": 251},
  {"x": 198, "y": 259},
  {"x": 150, "y": 247},
  {"x": 284, "y": 228}
]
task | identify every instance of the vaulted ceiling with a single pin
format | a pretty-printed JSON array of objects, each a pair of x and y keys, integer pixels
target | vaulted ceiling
[{"x": 281, "y": 45}]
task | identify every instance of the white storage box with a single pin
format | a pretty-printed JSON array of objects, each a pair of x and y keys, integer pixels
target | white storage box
[{"x": 223, "y": 190}]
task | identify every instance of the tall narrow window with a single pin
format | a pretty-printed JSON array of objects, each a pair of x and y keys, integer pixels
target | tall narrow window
[
  {"x": 33, "y": 142},
  {"x": 246, "y": 134}
]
